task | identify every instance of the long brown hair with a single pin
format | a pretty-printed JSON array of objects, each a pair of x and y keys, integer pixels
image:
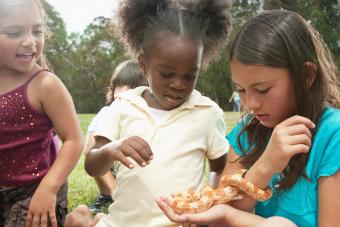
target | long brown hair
[{"x": 283, "y": 39}]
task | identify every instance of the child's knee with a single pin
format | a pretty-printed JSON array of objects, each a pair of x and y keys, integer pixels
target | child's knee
[
  {"x": 83, "y": 209},
  {"x": 277, "y": 222},
  {"x": 80, "y": 217}
]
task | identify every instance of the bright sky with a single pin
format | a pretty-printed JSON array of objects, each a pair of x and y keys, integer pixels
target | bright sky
[{"x": 77, "y": 14}]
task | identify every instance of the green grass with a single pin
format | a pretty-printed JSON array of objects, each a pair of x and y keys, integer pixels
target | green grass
[{"x": 82, "y": 188}]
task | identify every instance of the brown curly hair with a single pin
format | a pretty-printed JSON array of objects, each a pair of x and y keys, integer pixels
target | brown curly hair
[{"x": 139, "y": 21}]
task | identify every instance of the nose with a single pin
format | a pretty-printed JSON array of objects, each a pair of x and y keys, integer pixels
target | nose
[
  {"x": 177, "y": 84},
  {"x": 28, "y": 39},
  {"x": 251, "y": 102}
]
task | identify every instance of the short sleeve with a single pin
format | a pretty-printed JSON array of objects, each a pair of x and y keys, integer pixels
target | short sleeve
[
  {"x": 94, "y": 123},
  {"x": 330, "y": 161},
  {"x": 233, "y": 135},
  {"x": 218, "y": 145},
  {"x": 108, "y": 122}
]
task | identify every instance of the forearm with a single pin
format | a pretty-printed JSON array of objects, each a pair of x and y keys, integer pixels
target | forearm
[
  {"x": 258, "y": 176},
  {"x": 65, "y": 162},
  {"x": 98, "y": 161},
  {"x": 241, "y": 218}
]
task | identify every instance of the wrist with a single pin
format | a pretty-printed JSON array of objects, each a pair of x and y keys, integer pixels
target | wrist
[
  {"x": 260, "y": 175},
  {"x": 229, "y": 216},
  {"x": 49, "y": 185}
]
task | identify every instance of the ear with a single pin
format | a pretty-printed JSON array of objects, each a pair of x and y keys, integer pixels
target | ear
[
  {"x": 309, "y": 70},
  {"x": 141, "y": 60}
]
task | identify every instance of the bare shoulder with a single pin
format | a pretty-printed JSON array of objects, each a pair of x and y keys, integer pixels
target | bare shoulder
[
  {"x": 47, "y": 79},
  {"x": 45, "y": 87},
  {"x": 49, "y": 85}
]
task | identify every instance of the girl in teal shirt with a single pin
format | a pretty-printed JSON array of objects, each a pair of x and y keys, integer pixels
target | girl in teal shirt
[{"x": 290, "y": 139}]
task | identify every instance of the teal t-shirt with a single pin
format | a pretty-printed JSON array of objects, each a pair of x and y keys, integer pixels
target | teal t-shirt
[{"x": 300, "y": 202}]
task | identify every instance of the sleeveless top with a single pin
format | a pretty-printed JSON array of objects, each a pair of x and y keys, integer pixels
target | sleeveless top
[{"x": 27, "y": 150}]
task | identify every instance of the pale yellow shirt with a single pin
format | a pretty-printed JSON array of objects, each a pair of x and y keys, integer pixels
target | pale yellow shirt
[{"x": 180, "y": 143}]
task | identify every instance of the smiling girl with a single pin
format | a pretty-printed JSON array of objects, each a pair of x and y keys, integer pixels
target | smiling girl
[{"x": 34, "y": 104}]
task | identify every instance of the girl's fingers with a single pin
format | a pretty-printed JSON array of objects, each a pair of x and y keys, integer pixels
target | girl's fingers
[
  {"x": 134, "y": 154},
  {"x": 121, "y": 157},
  {"x": 299, "y": 129},
  {"x": 43, "y": 220},
  {"x": 53, "y": 218},
  {"x": 141, "y": 151},
  {"x": 298, "y": 120},
  {"x": 29, "y": 219},
  {"x": 299, "y": 148},
  {"x": 36, "y": 220},
  {"x": 144, "y": 148},
  {"x": 169, "y": 212},
  {"x": 300, "y": 139}
]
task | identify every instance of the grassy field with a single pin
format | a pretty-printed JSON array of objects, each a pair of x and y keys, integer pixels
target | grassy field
[{"x": 82, "y": 188}]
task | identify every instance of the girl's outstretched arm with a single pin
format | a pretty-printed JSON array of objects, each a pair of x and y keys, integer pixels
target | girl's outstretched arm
[
  {"x": 56, "y": 102},
  {"x": 222, "y": 215},
  {"x": 99, "y": 161}
]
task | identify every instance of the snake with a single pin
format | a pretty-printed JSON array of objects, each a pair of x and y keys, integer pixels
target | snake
[{"x": 232, "y": 187}]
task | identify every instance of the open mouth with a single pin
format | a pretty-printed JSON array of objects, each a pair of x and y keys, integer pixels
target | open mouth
[
  {"x": 173, "y": 99},
  {"x": 26, "y": 57}
]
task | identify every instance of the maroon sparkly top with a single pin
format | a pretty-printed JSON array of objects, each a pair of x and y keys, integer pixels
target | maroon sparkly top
[{"x": 27, "y": 150}]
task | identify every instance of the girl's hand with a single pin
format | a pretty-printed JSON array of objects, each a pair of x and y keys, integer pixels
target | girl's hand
[
  {"x": 42, "y": 208},
  {"x": 289, "y": 138},
  {"x": 218, "y": 214},
  {"x": 135, "y": 147}
]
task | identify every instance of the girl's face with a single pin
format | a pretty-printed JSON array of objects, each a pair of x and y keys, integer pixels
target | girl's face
[
  {"x": 172, "y": 66},
  {"x": 268, "y": 92},
  {"x": 21, "y": 38}
]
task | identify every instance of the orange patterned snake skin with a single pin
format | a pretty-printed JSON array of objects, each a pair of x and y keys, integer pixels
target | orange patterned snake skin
[{"x": 231, "y": 187}]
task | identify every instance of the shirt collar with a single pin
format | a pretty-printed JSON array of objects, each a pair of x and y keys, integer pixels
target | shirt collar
[{"x": 196, "y": 99}]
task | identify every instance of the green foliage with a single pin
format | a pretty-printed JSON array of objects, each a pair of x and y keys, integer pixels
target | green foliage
[
  {"x": 94, "y": 59},
  {"x": 323, "y": 14},
  {"x": 215, "y": 82},
  {"x": 85, "y": 62},
  {"x": 56, "y": 47}
]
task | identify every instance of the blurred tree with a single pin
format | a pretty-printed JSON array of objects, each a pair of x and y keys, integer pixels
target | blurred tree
[
  {"x": 56, "y": 47},
  {"x": 215, "y": 82},
  {"x": 323, "y": 14},
  {"x": 94, "y": 56},
  {"x": 85, "y": 62}
]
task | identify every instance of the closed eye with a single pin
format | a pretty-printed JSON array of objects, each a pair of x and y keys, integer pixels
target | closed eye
[
  {"x": 263, "y": 91},
  {"x": 166, "y": 75},
  {"x": 189, "y": 77},
  {"x": 38, "y": 33},
  {"x": 13, "y": 34}
]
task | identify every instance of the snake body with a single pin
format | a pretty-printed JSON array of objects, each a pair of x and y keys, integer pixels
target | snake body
[{"x": 231, "y": 188}]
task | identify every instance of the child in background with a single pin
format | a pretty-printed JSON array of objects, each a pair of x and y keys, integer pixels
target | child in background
[
  {"x": 34, "y": 104},
  {"x": 127, "y": 75},
  {"x": 159, "y": 136},
  {"x": 290, "y": 141},
  {"x": 235, "y": 98}
]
